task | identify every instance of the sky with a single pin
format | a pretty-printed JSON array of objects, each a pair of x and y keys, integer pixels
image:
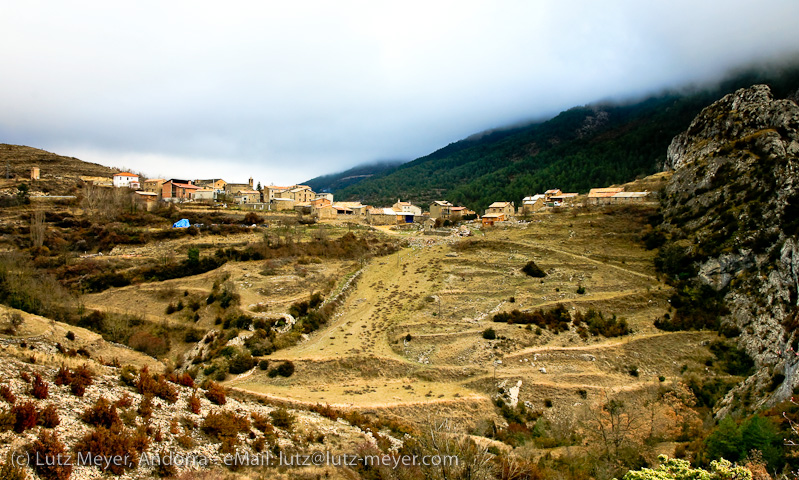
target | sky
[{"x": 285, "y": 91}]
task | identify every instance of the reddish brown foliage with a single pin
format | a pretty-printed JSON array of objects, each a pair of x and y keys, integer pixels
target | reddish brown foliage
[
  {"x": 26, "y": 414},
  {"x": 40, "y": 387},
  {"x": 216, "y": 393},
  {"x": 47, "y": 449}
]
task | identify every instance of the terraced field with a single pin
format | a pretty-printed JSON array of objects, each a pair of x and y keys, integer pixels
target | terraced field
[{"x": 410, "y": 332}]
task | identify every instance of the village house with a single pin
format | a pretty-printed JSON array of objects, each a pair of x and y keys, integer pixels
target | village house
[
  {"x": 532, "y": 204},
  {"x": 388, "y": 216},
  {"x": 206, "y": 195},
  {"x": 271, "y": 191},
  {"x": 328, "y": 196},
  {"x": 234, "y": 188},
  {"x": 562, "y": 199},
  {"x": 353, "y": 208},
  {"x": 148, "y": 200},
  {"x": 507, "y": 209},
  {"x": 126, "y": 179},
  {"x": 281, "y": 204},
  {"x": 298, "y": 193},
  {"x": 247, "y": 196},
  {"x": 407, "y": 208},
  {"x": 324, "y": 211},
  {"x": 440, "y": 209},
  {"x": 629, "y": 197},
  {"x": 153, "y": 185},
  {"x": 216, "y": 184},
  {"x": 176, "y": 190},
  {"x": 490, "y": 218},
  {"x": 550, "y": 193},
  {"x": 35, "y": 174},
  {"x": 598, "y": 196}
]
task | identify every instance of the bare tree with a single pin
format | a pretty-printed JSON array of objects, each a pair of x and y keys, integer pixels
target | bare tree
[{"x": 38, "y": 229}]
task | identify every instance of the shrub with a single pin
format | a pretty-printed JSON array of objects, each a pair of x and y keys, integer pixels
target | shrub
[
  {"x": 533, "y": 270},
  {"x": 7, "y": 394},
  {"x": 102, "y": 414},
  {"x": 26, "y": 416},
  {"x": 10, "y": 470},
  {"x": 7, "y": 420},
  {"x": 216, "y": 393},
  {"x": 489, "y": 334},
  {"x": 224, "y": 425},
  {"x": 128, "y": 375},
  {"x": 580, "y": 290},
  {"x": 117, "y": 444},
  {"x": 49, "y": 417},
  {"x": 39, "y": 389},
  {"x": 70, "y": 335},
  {"x": 194, "y": 403},
  {"x": 263, "y": 364},
  {"x": 48, "y": 446},
  {"x": 262, "y": 423},
  {"x": 241, "y": 363},
  {"x": 145, "y": 408},
  {"x": 285, "y": 369},
  {"x": 78, "y": 380},
  {"x": 193, "y": 335},
  {"x": 185, "y": 380},
  {"x": 282, "y": 418},
  {"x": 149, "y": 344}
]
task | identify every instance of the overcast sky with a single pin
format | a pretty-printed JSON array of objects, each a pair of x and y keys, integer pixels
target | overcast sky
[{"x": 284, "y": 91}]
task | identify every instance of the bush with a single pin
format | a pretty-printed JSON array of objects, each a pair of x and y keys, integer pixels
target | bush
[
  {"x": 489, "y": 334},
  {"x": 224, "y": 425},
  {"x": 7, "y": 394},
  {"x": 40, "y": 388},
  {"x": 49, "y": 417},
  {"x": 263, "y": 364},
  {"x": 105, "y": 443},
  {"x": 282, "y": 418},
  {"x": 102, "y": 414},
  {"x": 216, "y": 393},
  {"x": 26, "y": 416},
  {"x": 78, "y": 380},
  {"x": 10, "y": 470},
  {"x": 241, "y": 363},
  {"x": 194, "y": 403},
  {"x": 48, "y": 446},
  {"x": 533, "y": 270}
]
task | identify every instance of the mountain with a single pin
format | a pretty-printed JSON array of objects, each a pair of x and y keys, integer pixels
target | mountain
[
  {"x": 730, "y": 227},
  {"x": 581, "y": 148},
  {"x": 337, "y": 181}
]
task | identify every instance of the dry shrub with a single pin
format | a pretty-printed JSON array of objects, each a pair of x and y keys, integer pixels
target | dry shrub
[
  {"x": 7, "y": 420},
  {"x": 194, "y": 403},
  {"x": 26, "y": 416},
  {"x": 11, "y": 471},
  {"x": 7, "y": 394},
  {"x": 40, "y": 387},
  {"x": 225, "y": 425},
  {"x": 262, "y": 423},
  {"x": 77, "y": 380},
  {"x": 282, "y": 418},
  {"x": 146, "y": 406},
  {"x": 49, "y": 447},
  {"x": 216, "y": 393},
  {"x": 157, "y": 386},
  {"x": 124, "y": 401},
  {"x": 107, "y": 443},
  {"x": 102, "y": 414},
  {"x": 48, "y": 418}
]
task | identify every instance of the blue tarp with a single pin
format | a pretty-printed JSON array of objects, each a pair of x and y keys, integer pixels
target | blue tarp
[{"x": 182, "y": 223}]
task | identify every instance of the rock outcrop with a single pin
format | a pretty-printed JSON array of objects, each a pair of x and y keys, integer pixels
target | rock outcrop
[{"x": 731, "y": 210}]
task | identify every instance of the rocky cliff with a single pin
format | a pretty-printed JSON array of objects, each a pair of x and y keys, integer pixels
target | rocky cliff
[{"x": 731, "y": 212}]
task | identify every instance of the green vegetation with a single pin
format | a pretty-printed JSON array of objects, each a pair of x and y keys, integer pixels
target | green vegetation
[{"x": 533, "y": 270}]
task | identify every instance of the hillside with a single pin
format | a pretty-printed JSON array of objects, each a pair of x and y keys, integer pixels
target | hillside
[
  {"x": 20, "y": 159},
  {"x": 581, "y": 148},
  {"x": 731, "y": 232},
  {"x": 338, "y": 181}
]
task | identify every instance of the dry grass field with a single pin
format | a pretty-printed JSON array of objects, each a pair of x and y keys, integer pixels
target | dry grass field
[{"x": 410, "y": 333}]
